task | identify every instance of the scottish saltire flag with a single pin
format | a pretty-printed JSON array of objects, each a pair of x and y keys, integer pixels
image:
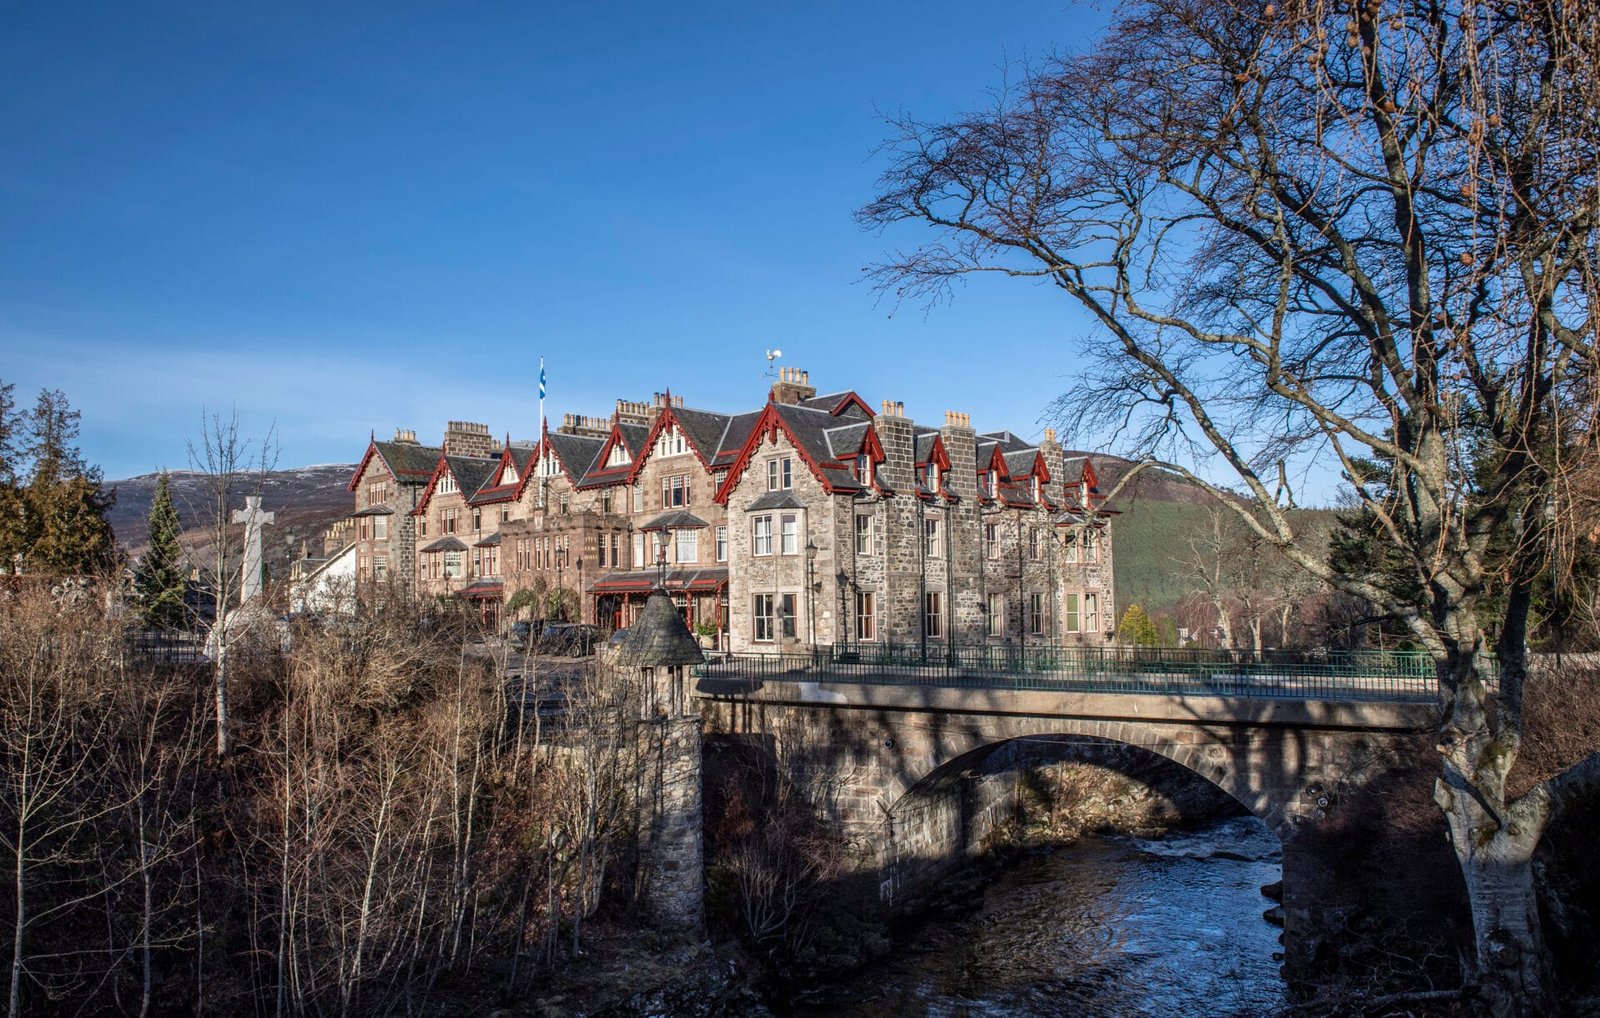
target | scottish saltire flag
[{"x": 541, "y": 378}]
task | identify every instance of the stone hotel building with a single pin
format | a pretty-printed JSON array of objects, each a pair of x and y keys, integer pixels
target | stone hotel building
[{"x": 810, "y": 520}]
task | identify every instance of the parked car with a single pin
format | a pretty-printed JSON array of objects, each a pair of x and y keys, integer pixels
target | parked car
[
  {"x": 574, "y": 639},
  {"x": 522, "y": 632}
]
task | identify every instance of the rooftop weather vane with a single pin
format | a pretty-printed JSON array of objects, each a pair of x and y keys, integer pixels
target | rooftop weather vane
[{"x": 772, "y": 368}]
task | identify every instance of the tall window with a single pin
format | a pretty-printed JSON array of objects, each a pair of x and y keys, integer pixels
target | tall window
[
  {"x": 671, "y": 443},
  {"x": 380, "y": 528},
  {"x": 722, "y": 544},
  {"x": 1036, "y": 614},
  {"x": 452, "y": 565},
  {"x": 566, "y": 504},
  {"x": 448, "y": 518},
  {"x": 675, "y": 491},
  {"x": 605, "y": 500},
  {"x": 863, "y": 535},
  {"x": 1033, "y": 543},
  {"x": 380, "y": 567},
  {"x": 761, "y": 619},
  {"x": 933, "y": 615},
  {"x": 477, "y": 520},
  {"x": 786, "y": 616},
  {"x": 991, "y": 540},
  {"x": 930, "y": 476},
  {"x": 601, "y": 557},
  {"x": 1072, "y": 546},
  {"x": 866, "y": 616},
  {"x": 639, "y": 561},
  {"x": 638, "y": 499},
  {"x": 688, "y": 549},
  {"x": 779, "y": 474},
  {"x": 1072, "y": 613},
  {"x": 1091, "y": 546},
  {"x": 616, "y": 551},
  {"x": 986, "y": 483},
  {"x": 761, "y": 535},
  {"x": 1091, "y": 613},
  {"x": 995, "y": 624},
  {"x": 863, "y": 468},
  {"x": 789, "y": 534},
  {"x": 932, "y": 539}
]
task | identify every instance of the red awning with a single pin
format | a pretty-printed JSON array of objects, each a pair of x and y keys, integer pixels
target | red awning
[
  {"x": 480, "y": 591},
  {"x": 625, "y": 584}
]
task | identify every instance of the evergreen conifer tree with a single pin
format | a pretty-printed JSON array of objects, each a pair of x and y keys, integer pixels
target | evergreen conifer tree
[
  {"x": 1137, "y": 629},
  {"x": 159, "y": 581}
]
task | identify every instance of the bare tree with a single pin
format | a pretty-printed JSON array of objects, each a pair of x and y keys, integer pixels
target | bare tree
[
  {"x": 231, "y": 466},
  {"x": 1310, "y": 231}
]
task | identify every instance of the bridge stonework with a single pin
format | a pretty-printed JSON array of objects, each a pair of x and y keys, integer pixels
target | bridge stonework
[{"x": 907, "y": 774}]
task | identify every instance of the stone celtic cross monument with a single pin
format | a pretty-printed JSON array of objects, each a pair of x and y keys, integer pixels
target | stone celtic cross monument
[{"x": 253, "y": 519}]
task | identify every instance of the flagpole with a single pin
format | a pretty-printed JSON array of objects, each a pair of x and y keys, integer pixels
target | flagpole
[{"x": 541, "y": 398}]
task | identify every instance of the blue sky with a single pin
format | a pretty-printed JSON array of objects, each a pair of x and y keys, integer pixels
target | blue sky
[{"x": 346, "y": 217}]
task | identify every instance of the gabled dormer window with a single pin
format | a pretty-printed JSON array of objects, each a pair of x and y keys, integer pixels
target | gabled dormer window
[
  {"x": 549, "y": 465},
  {"x": 510, "y": 476},
  {"x": 447, "y": 484},
  {"x": 863, "y": 468},
  {"x": 986, "y": 484},
  {"x": 930, "y": 476},
  {"x": 1033, "y": 486},
  {"x": 618, "y": 456}
]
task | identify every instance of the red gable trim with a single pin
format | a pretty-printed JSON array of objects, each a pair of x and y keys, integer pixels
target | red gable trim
[
  {"x": 439, "y": 469},
  {"x": 361, "y": 468},
  {"x": 937, "y": 454},
  {"x": 767, "y": 427},
  {"x": 656, "y": 429},
  {"x": 851, "y": 399},
  {"x": 532, "y": 469}
]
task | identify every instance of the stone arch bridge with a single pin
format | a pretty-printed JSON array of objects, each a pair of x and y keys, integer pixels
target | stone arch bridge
[{"x": 897, "y": 756}]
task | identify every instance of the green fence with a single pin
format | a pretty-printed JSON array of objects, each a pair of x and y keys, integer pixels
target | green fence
[{"x": 1329, "y": 675}]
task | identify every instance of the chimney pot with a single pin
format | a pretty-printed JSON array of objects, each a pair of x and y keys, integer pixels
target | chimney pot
[{"x": 1049, "y": 434}]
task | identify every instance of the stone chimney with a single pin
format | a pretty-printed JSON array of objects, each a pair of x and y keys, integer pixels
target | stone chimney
[
  {"x": 659, "y": 401},
  {"x": 793, "y": 386},
  {"x": 583, "y": 424},
  {"x": 466, "y": 438},
  {"x": 896, "y": 434},
  {"x": 961, "y": 445},
  {"x": 1054, "y": 462},
  {"x": 405, "y": 436},
  {"x": 632, "y": 412}
]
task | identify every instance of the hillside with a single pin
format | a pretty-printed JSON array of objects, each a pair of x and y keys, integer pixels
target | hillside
[
  {"x": 1158, "y": 513},
  {"x": 306, "y": 499}
]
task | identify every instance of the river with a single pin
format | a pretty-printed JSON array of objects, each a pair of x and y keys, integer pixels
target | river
[{"x": 1109, "y": 925}]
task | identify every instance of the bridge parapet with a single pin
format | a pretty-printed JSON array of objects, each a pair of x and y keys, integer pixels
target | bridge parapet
[{"x": 1379, "y": 678}]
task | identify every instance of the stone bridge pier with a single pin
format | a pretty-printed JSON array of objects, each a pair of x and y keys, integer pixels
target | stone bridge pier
[{"x": 915, "y": 777}]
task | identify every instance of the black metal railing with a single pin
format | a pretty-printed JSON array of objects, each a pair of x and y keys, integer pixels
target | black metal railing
[{"x": 1326, "y": 675}]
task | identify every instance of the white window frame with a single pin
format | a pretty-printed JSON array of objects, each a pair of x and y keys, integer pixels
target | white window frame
[
  {"x": 866, "y": 629},
  {"x": 1073, "y": 617},
  {"x": 995, "y": 624},
  {"x": 780, "y": 473},
  {"x": 688, "y": 545},
  {"x": 761, "y": 536},
  {"x": 761, "y": 618},
  {"x": 789, "y": 534}
]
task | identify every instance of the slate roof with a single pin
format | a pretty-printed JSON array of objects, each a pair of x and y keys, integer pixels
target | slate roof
[
  {"x": 448, "y": 543},
  {"x": 777, "y": 500},
  {"x": 492, "y": 541},
  {"x": 734, "y": 434},
  {"x": 634, "y": 437},
  {"x": 471, "y": 472},
  {"x": 677, "y": 519},
  {"x": 703, "y": 428},
  {"x": 845, "y": 440},
  {"x": 576, "y": 452},
  {"x": 374, "y": 510},
  {"x": 659, "y": 638},
  {"x": 809, "y": 428},
  {"x": 406, "y": 461}
]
